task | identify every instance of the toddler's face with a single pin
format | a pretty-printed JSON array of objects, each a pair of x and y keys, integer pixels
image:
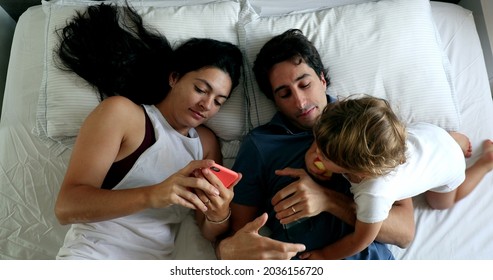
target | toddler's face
[{"x": 322, "y": 168}]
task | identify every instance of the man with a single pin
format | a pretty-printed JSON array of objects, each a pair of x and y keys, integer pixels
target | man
[{"x": 301, "y": 214}]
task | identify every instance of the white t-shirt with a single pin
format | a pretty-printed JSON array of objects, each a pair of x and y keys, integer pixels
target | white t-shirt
[
  {"x": 434, "y": 162},
  {"x": 149, "y": 234}
]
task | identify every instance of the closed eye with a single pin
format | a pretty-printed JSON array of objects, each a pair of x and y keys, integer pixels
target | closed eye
[
  {"x": 305, "y": 86},
  {"x": 284, "y": 94},
  {"x": 218, "y": 103},
  {"x": 199, "y": 90}
]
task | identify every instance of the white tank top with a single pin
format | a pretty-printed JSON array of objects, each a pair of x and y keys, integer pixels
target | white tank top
[{"x": 148, "y": 234}]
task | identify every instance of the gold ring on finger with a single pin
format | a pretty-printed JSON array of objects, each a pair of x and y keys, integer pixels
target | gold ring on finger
[{"x": 292, "y": 208}]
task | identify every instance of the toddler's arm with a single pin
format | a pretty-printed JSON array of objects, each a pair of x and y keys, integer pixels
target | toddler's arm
[{"x": 364, "y": 234}]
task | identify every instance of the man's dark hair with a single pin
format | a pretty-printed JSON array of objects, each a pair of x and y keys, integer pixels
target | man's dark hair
[{"x": 290, "y": 45}]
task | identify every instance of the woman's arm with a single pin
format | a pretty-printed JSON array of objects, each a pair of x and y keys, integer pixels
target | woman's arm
[
  {"x": 111, "y": 132},
  {"x": 215, "y": 220},
  {"x": 102, "y": 140},
  {"x": 210, "y": 144}
]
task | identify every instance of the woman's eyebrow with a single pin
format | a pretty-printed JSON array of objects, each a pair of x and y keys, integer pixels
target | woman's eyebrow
[{"x": 209, "y": 87}]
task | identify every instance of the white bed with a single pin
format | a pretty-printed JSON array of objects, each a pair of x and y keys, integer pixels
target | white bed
[{"x": 32, "y": 163}]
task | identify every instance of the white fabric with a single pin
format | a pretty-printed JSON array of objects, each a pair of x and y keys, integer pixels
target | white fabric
[
  {"x": 462, "y": 232},
  {"x": 31, "y": 171},
  {"x": 148, "y": 234},
  {"x": 434, "y": 162},
  {"x": 386, "y": 48},
  {"x": 272, "y": 8},
  {"x": 135, "y": 3},
  {"x": 30, "y": 174}
]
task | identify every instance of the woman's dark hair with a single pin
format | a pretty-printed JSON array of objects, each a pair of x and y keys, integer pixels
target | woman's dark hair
[
  {"x": 290, "y": 45},
  {"x": 112, "y": 49},
  {"x": 213, "y": 53}
]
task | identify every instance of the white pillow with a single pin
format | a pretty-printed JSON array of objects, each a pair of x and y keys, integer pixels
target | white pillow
[
  {"x": 134, "y": 3},
  {"x": 272, "y": 8},
  {"x": 66, "y": 99},
  {"x": 389, "y": 49}
]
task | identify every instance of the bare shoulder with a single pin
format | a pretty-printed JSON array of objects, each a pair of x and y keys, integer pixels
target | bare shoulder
[
  {"x": 210, "y": 143},
  {"x": 114, "y": 113},
  {"x": 117, "y": 124},
  {"x": 206, "y": 133},
  {"x": 117, "y": 106}
]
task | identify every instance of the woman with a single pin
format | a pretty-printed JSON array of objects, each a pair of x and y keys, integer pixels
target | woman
[{"x": 136, "y": 170}]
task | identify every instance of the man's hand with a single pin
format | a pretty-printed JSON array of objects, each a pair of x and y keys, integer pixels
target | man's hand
[{"x": 248, "y": 244}]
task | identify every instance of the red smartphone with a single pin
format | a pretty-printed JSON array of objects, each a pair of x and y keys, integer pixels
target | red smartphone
[{"x": 226, "y": 175}]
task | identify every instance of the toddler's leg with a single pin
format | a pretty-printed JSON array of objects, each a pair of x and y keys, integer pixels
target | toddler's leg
[
  {"x": 485, "y": 163},
  {"x": 474, "y": 175},
  {"x": 476, "y": 172},
  {"x": 463, "y": 142}
]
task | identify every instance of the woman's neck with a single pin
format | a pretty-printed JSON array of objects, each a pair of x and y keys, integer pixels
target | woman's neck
[{"x": 165, "y": 112}]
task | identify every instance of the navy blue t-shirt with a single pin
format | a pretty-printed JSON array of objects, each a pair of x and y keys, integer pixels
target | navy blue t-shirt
[{"x": 277, "y": 145}]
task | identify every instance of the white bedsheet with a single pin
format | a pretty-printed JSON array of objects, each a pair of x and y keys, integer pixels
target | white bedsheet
[
  {"x": 31, "y": 173},
  {"x": 465, "y": 231}
]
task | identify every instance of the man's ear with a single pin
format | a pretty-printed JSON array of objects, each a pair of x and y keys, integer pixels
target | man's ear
[{"x": 322, "y": 78}]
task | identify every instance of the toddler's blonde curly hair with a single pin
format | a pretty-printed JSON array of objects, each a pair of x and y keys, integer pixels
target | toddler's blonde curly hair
[{"x": 362, "y": 135}]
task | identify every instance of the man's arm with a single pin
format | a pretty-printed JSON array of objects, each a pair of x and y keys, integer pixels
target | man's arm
[
  {"x": 364, "y": 234},
  {"x": 310, "y": 199},
  {"x": 398, "y": 229}
]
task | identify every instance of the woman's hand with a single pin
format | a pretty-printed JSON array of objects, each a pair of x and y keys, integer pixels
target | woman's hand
[
  {"x": 217, "y": 205},
  {"x": 182, "y": 187},
  {"x": 215, "y": 219}
]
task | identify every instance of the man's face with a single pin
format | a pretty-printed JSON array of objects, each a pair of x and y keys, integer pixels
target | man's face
[{"x": 299, "y": 92}]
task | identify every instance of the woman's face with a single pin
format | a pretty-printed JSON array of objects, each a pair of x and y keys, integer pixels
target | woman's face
[{"x": 195, "y": 97}]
